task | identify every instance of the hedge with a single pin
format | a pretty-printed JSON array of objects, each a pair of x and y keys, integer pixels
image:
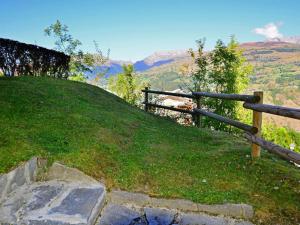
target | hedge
[{"x": 20, "y": 59}]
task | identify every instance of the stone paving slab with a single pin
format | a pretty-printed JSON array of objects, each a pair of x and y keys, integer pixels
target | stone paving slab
[
  {"x": 232, "y": 210},
  {"x": 115, "y": 214},
  {"x": 157, "y": 216},
  {"x": 118, "y": 215},
  {"x": 53, "y": 202}
]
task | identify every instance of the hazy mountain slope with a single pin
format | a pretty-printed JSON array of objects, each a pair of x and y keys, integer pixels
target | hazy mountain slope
[{"x": 157, "y": 59}]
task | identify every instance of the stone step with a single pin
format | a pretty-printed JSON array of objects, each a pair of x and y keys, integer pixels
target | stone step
[
  {"x": 53, "y": 202},
  {"x": 67, "y": 197},
  {"x": 116, "y": 214}
]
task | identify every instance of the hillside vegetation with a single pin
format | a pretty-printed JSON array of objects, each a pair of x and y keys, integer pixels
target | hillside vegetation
[
  {"x": 276, "y": 72},
  {"x": 88, "y": 128}
]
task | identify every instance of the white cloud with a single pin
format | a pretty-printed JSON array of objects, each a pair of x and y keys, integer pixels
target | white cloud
[{"x": 270, "y": 31}]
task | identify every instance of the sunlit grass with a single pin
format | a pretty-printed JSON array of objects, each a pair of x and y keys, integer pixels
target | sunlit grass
[{"x": 85, "y": 127}]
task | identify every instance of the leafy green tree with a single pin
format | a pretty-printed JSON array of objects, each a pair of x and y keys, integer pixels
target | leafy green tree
[
  {"x": 223, "y": 70},
  {"x": 125, "y": 85},
  {"x": 80, "y": 62},
  {"x": 200, "y": 75}
]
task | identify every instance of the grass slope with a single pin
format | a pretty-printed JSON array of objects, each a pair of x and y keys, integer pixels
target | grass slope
[{"x": 85, "y": 127}]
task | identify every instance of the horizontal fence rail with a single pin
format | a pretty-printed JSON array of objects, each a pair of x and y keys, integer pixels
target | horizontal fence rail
[
  {"x": 273, "y": 109},
  {"x": 242, "y": 126},
  {"x": 169, "y": 93},
  {"x": 236, "y": 97},
  {"x": 170, "y": 108},
  {"x": 252, "y": 133},
  {"x": 273, "y": 148}
]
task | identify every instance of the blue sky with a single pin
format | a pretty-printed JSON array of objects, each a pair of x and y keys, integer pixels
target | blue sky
[{"x": 134, "y": 29}]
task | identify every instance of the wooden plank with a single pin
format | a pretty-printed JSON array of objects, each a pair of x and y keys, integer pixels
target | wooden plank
[
  {"x": 198, "y": 117},
  {"x": 169, "y": 93},
  {"x": 169, "y": 108},
  {"x": 146, "y": 99},
  {"x": 257, "y": 122},
  {"x": 274, "y": 148},
  {"x": 236, "y": 97},
  {"x": 234, "y": 123},
  {"x": 273, "y": 109}
]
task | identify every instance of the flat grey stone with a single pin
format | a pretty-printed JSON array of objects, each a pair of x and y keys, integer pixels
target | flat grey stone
[
  {"x": 17, "y": 179},
  {"x": 10, "y": 207},
  {"x": 61, "y": 172},
  {"x": 42, "y": 195},
  {"x": 198, "y": 219},
  {"x": 31, "y": 170},
  {"x": 49, "y": 222},
  {"x": 180, "y": 204},
  {"x": 139, "y": 221},
  {"x": 23, "y": 174},
  {"x": 79, "y": 201},
  {"x": 3, "y": 183},
  {"x": 159, "y": 216},
  {"x": 124, "y": 197},
  {"x": 234, "y": 210},
  {"x": 114, "y": 214}
]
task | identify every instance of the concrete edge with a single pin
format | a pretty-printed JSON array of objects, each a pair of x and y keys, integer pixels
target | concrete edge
[{"x": 241, "y": 211}]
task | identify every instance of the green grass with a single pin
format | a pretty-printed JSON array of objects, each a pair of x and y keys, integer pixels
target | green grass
[{"x": 85, "y": 127}]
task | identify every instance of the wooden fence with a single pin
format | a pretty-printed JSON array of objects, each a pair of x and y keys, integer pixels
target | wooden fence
[{"x": 252, "y": 133}]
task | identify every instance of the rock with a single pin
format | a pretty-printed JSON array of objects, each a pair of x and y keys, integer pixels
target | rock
[
  {"x": 198, "y": 219},
  {"x": 80, "y": 202},
  {"x": 24, "y": 174},
  {"x": 3, "y": 183},
  {"x": 49, "y": 222},
  {"x": 76, "y": 201},
  {"x": 60, "y": 172},
  {"x": 16, "y": 178},
  {"x": 159, "y": 216},
  {"x": 234, "y": 210},
  {"x": 42, "y": 195},
  {"x": 10, "y": 206},
  {"x": 31, "y": 168},
  {"x": 118, "y": 215},
  {"x": 139, "y": 221},
  {"x": 123, "y": 197},
  {"x": 184, "y": 205}
]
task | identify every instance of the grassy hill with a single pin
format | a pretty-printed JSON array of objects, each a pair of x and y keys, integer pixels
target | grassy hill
[{"x": 88, "y": 128}]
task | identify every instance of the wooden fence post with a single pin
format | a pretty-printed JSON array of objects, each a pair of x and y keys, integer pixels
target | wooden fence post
[
  {"x": 198, "y": 118},
  {"x": 146, "y": 99},
  {"x": 257, "y": 122}
]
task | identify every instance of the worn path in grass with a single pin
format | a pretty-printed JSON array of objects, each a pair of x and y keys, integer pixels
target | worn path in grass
[{"x": 90, "y": 129}]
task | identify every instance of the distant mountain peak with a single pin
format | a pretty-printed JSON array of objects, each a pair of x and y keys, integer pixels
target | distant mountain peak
[{"x": 165, "y": 55}]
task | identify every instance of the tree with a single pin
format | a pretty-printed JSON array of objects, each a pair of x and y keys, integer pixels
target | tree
[
  {"x": 125, "y": 85},
  {"x": 80, "y": 62},
  {"x": 223, "y": 70}
]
